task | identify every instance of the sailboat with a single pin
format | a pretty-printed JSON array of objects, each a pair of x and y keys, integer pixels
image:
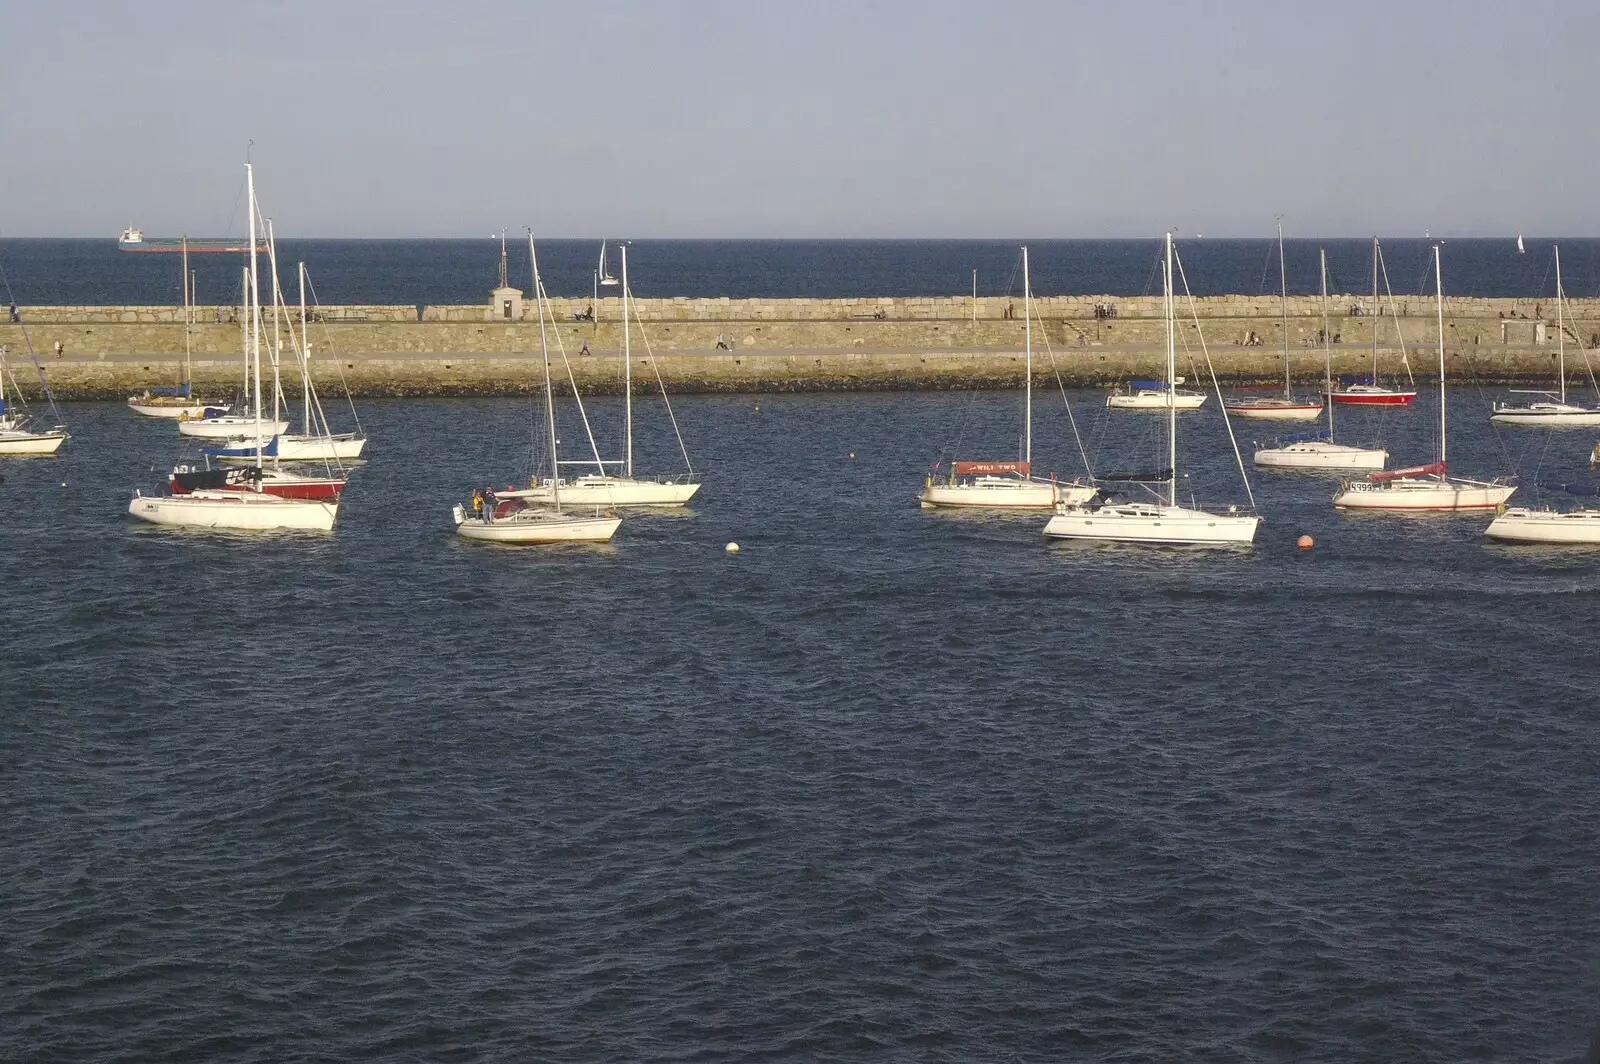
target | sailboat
[
  {"x": 1155, "y": 395},
  {"x": 17, "y": 436},
  {"x": 308, "y": 446},
  {"x": 1425, "y": 487},
  {"x": 217, "y": 423},
  {"x": 1520, "y": 248},
  {"x": 605, "y": 276},
  {"x": 1274, "y": 408},
  {"x": 1160, "y": 523},
  {"x": 253, "y": 509},
  {"x": 1006, "y": 485},
  {"x": 1315, "y": 451},
  {"x": 509, "y": 518},
  {"x": 179, "y": 401},
  {"x": 1526, "y": 524},
  {"x": 269, "y": 480},
  {"x": 1553, "y": 411},
  {"x": 1369, "y": 391},
  {"x": 625, "y": 488}
]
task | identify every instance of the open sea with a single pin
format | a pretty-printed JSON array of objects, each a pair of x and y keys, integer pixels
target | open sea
[
  {"x": 886, "y": 785},
  {"x": 460, "y": 272}
]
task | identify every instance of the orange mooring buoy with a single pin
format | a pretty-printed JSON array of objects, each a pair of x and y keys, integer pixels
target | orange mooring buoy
[{"x": 1305, "y": 543}]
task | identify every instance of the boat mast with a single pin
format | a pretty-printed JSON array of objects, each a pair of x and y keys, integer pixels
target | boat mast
[
  {"x": 1027, "y": 362},
  {"x": 188, "y": 320},
  {"x": 244, "y": 332},
  {"x": 277, "y": 340},
  {"x": 1327, "y": 344},
  {"x": 254, "y": 309},
  {"x": 305, "y": 360},
  {"x": 627, "y": 364},
  {"x": 1172, "y": 386},
  {"x": 1283, "y": 303},
  {"x": 1374, "y": 312},
  {"x": 549, "y": 399},
  {"x": 1561, "y": 330},
  {"x": 1438, "y": 287}
]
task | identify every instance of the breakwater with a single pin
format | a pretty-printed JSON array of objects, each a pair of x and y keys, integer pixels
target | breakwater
[{"x": 733, "y": 345}]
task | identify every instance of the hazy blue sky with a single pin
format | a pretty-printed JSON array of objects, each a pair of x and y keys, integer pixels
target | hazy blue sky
[{"x": 899, "y": 118}]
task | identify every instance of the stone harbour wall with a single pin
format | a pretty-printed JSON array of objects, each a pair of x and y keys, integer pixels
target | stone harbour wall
[{"x": 805, "y": 344}]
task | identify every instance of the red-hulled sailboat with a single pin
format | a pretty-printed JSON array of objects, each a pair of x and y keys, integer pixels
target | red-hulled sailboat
[
  {"x": 1369, "y": 390},
  {"x": 280, "y": 482}
]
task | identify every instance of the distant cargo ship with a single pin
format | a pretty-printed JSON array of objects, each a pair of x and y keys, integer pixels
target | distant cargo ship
[{"x": 134, "y": 240}]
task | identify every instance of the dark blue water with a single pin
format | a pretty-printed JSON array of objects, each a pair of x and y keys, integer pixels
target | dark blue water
[
  {"x": 454, "y": 272},
  {"x": 885, "y": 785}
]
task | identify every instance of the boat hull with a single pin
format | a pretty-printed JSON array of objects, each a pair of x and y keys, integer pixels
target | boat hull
[
  {"x": 1275, "y": 410},
  {"x": 537, "y": 526},
  {"x": 237, "y": 510},
  {"x": 610, "y": 491},
  {"x": 176, "y": 408},
  {"x": 1546, "y": 415},
  {"x": 1320, "y": 454},
  {"x": 277, "y": 482},
  {"x": 1002, "y": 493},
  {"x": 287, "y": 448},
  {"x": 230, "y": 428},
  {"x": 25, "y": 443},
  {"x": 1423, "y": 493},
  {"x": 1374, "y": 397},
  {"x": 194, "y": 247},
  {"x": 1520, "y": 524},
  {"x": 1155, "y": 401},
  {"x": 1172, "y": 526}
]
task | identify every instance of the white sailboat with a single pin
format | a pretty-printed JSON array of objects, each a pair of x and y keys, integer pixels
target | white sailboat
[
  {"x": 179, "y": 401},
  {"x": 250, "y": 510},
  {"x": 510, "y": 518},
  {"x": 1553, "y": 411},
  {"x": 1526, "y": 524},
  {"x": 1161, "y": 523},
  {"x": 625, "y": 488},
  {"x": 218, "y": 424},
  {"x": 1286, "y": 407},
  {"x": 1371, "y": 391},
  {"x": 1155, "y": 395},
  {"x": 1006, "y": 485},
  {"x": 1425, "y": 487},
  {"x": 311, "y": 445},
  {"x": 1316, "y": 451},
  {"x": 602, "y": 272},
  {"x": 17, "y": 434}
]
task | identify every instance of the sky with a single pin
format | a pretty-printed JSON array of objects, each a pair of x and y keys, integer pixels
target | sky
[{"x": 814, "y": 119}]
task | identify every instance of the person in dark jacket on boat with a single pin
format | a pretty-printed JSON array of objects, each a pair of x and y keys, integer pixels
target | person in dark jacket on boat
[{"x": 489, "y": 504}]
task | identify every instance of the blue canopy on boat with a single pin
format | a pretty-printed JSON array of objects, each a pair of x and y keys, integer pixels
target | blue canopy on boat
[
  {"x": 179, "y": 390},
  {"x": 1149, "y": 385}
]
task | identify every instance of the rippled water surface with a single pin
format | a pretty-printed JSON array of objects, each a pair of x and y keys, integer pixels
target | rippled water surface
[{"x": 886, "y": 784}]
